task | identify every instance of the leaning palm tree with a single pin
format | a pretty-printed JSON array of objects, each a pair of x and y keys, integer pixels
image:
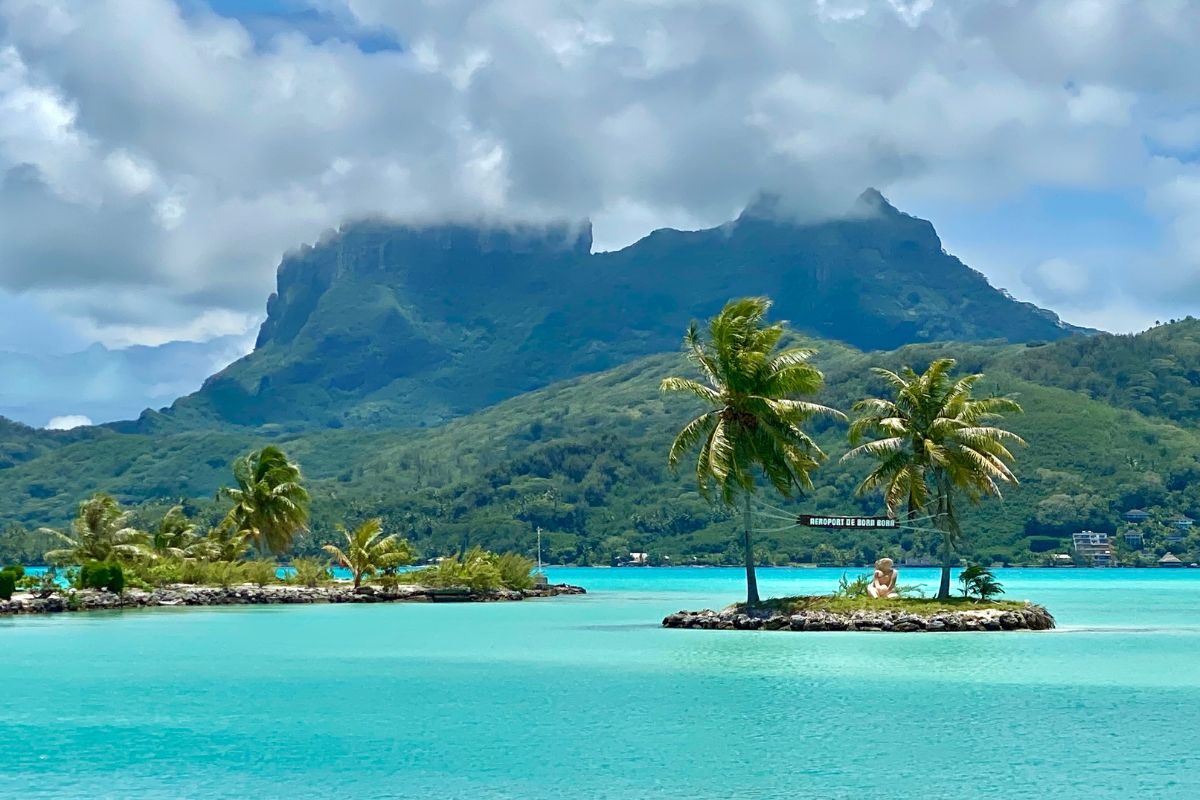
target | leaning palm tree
[
  {"x": 931, "y": 440},
  {"x": 223, "y": 543},
  {"x": 754, "y": 415},
  {"x": 270, "y": 505},
  {"x": 100, "y": 532},
  {"x": 176, "y": 536},
  {"x": 366, "y": 552}
]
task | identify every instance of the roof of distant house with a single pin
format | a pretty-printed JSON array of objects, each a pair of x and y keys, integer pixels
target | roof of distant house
[{"x": 1170, "y": 558}]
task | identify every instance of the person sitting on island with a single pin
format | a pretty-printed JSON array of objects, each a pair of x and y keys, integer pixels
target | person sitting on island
[{"x": 883, "y": 584}]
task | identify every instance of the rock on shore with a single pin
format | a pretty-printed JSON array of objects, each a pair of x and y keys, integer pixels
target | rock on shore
[
  {"x": 248, "y": 594},
  {"x": 1029, "y": 618}
]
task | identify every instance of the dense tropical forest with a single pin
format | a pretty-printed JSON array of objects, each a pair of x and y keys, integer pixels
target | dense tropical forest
[
  {"x": 469, "y": 386},
  {"x": 585, "y": 460}
]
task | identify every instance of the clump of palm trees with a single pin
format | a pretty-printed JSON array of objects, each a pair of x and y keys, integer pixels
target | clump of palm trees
[
  {"x": 933, "y": 440},
  {"x": 269, "y": 509}
]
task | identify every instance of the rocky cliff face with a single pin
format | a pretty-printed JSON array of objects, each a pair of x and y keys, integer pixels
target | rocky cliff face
[{"x": 385, "y": 324}]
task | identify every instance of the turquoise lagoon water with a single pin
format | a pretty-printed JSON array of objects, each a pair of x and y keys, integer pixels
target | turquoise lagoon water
[{"x": 588, "y": 698}]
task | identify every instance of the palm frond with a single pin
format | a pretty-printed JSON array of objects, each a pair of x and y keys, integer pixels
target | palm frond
[{"x": 692, "y": 432}]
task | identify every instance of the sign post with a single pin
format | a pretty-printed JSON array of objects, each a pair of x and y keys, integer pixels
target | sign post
[{"x": 876, "y": 523}]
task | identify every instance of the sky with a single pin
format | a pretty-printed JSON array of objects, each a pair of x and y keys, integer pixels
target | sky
[{"x": 157, "y": 157}]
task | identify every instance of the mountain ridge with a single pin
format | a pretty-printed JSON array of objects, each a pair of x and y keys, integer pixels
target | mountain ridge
[{"x": 383, "y": 324}]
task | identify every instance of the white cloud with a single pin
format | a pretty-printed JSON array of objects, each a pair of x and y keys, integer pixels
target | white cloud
[
  {"x": 128, "y": 173},
  {"x": 67, "y": 422},
  {"x": 154, "y": 167},
  {"x": 1100, "y": 105},
  {"x": 1058, "y": 279}
]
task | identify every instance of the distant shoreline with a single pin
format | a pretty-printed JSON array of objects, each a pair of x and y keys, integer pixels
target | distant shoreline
[{"x": 186, "y": 596}]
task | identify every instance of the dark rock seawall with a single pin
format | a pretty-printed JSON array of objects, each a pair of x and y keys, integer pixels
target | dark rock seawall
[
  {"x": 1030, "y": 618},
  {"x": 249, "y": 595}
]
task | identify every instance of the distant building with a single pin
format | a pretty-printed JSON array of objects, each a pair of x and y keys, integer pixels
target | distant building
[
  {"x": 1133, "y": 538},
  {"x": 639, "y": 559},
  {"x": 1093, "y": 546},
  {"x": 1175, "y": 536},
  {"x": 1170, "y": 560},
  {"x": 1136, "y": 515}
]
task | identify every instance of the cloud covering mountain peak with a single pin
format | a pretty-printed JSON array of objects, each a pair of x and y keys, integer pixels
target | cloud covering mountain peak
[{"x": 155, "y": 158}]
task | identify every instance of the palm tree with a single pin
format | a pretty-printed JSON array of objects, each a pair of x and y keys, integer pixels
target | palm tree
[
  {"x": 754, "y": 417},
  {"x": 224, "y": 543},
  {"x": 100, "y": 532},
  {"x": 365, "y": 552},
  {"x": 176, "y": 536},
  {"x": 269, "y": 504},
  {"x": 932, "y": 439}
]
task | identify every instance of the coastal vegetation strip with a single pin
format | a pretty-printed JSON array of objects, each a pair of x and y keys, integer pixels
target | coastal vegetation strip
[{"x": 108, "y": 561}]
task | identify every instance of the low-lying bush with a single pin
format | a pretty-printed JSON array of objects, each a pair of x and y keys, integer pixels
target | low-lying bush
[
  {"x": 42, "y": 585},
  {"x": 10, "y": 576},
  {"x": 200, "y": 572},
  {"x": 194, "y": 571},
  {"x": 101, "y": 575},
  {"x": 979, "y": 581},
  {"x": 478, "y": 569},
  {"x": 260, "y": 572},
  {"x": 211, "y": 573},
  {"x": 223, "y": 574},
  {"x": 310, "y": 572},
  {"x": 162, "y": 573},
  {"x": 516, "y": 571}
]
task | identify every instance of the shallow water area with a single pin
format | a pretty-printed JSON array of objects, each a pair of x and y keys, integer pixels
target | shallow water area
[{"x": 586, "y": 697}]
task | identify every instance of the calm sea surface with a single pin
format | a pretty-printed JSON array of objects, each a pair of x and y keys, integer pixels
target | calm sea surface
[{"x": 582, "y": 698}]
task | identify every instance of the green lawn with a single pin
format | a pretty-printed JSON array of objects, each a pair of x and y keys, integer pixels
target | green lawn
[{"x": 921, "y": 606}]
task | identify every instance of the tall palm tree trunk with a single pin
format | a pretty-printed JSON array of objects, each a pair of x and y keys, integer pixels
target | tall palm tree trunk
[
  {"x": 944, "y": 586},
  {"x": 946, "y": 522},
  {"x": 751, "y": 578}
]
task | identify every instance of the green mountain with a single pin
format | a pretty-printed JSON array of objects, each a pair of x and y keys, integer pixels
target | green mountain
[
  {"x": 473, "y": 385},
  {"x": 1156, "y": 372},
  {"x": 386, "y": 325},
  {"x": 585, "y": 460},
  {"x": 20, "y": 443}
]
